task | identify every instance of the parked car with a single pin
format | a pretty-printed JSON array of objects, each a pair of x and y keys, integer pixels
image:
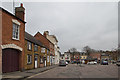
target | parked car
[
  {"x": 113, "y": 61},
  {"x": 62, "y": 63},
  {"x": 118, "y": 63},
  {"x": 95, "y": 62},
  {"x": 66, "y": 63},
  {"x": 92, "y": 62},
  {"x": 104, "y": 62}
]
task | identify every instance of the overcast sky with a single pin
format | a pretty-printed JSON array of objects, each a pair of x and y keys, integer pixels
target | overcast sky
[{"x": 75, "y": 24}]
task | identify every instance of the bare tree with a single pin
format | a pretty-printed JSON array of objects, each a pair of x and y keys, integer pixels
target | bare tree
[
  {"x": 73, "y": 51},
  {"x": 87, "y": 49}
]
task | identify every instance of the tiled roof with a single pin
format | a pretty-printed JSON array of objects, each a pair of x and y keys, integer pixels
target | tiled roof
[{"x": 32, "y": 39}]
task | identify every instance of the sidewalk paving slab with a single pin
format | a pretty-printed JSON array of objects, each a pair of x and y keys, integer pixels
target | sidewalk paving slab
[{"x": 27, "y": 73}]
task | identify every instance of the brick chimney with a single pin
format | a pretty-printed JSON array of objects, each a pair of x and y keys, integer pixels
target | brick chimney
[
  {"x": 46, "y": 33},
  {"x": 20, "y": 12}
]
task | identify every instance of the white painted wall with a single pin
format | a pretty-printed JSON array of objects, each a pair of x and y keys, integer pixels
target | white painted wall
[{"x": 67, "y": 55}]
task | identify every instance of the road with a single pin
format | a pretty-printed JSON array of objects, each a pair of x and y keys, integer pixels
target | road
[{"x": 84, "y": 71}]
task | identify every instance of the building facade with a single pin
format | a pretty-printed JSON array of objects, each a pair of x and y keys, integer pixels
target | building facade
[
  {"x": 75, "y": 57},
  {"x": 96, "y": 56},
  {"x": 20, "y": 50},
  {"x": 67, "y": 56},
  {"x": 35, "y": 53},
  {"x": 62, "y": 57},
  {"x": 46, "y": 43},
  {"x": 54, "y": 40},
  {"x": 83, "y": 57},
  {"x": 13, "y": 31}
]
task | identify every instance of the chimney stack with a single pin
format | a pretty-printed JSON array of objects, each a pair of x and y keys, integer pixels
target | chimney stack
[
  {"x": 20, "y": 12},
  {"x": 46, "y": 33}
]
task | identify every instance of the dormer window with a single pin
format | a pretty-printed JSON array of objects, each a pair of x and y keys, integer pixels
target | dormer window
[{"x": 15, "y": 32}]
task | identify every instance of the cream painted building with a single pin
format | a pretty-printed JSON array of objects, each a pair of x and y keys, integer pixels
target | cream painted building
[
  {"x": 53, "y": 39},
  {"x": 67, "y": 56}
]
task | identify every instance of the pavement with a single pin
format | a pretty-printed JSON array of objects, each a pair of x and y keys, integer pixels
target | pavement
[{"x": 27, "y": 73}]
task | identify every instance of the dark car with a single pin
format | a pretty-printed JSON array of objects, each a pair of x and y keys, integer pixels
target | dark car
[
  {"x": 62, "y": 63},
  {"x": 104, "y": 62}
]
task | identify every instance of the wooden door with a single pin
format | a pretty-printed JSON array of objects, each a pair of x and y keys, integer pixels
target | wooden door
[{"x": 10, "y": 60}]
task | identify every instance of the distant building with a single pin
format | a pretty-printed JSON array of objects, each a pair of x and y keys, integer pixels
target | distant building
[
  {"x": 83, "y": 57},
  {"x": 104, "y": 56},
  {"x": 35, "y": 53},
  {"x": 54, "y": 40},
  {"x": 62, "y": 57},
  {"x": 96, "y": 56},
  {"x": 75, "y": 56},
  {"x": 46, "y": 43},
  {"x": 67, "y": 56}
]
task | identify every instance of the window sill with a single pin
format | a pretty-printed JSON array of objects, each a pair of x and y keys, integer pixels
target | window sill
[
  {"x": 29, "y": 49},
  {"x": 29, "y": 63},
  {"x": 16, "y": 39}
]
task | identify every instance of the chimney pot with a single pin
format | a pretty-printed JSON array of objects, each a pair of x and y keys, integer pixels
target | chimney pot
[{"x": 21, "y": 4}]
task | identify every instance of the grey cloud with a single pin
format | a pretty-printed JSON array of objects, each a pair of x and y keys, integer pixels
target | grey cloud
[{"x": 75, "y": 24}]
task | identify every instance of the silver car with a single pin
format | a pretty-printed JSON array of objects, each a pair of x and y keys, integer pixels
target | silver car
[{"x": 62, "y": 63}]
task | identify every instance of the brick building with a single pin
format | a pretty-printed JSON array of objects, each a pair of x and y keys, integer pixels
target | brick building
[
  {"x": 52, "y": 38},
  {"x": 13, "y": 30},
  {"x": 96, "y": 56},
  {"x": 35, "y": 53},
  {"x": 75, "y": 56},
  {"x": 46, "y": 43},
  {"x": 51, "y": 47}
]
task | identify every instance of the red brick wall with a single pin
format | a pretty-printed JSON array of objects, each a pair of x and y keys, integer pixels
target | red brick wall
[
  {"x": 7, "y": 28},
  {"x": 95, "y": 55},
  {"x": 0, "y": 42},
  {"x": 40, "y": 37},
  {"x": 45, "y": 41}
]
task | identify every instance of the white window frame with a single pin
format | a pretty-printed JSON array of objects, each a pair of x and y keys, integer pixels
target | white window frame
[
  {"x": 42, "y": 50},
  {"x": 29, "y": 45},
  {"x": 29, "y": 56},
  {"x": 16, "y": 22},
  {"x": 47, "y": 51},
  {"x": 48, "y": 59},
  {"x": 41, "y": 59},
  {"x": 16, "y": 27},
  {"x": 36, "y": 46}
]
